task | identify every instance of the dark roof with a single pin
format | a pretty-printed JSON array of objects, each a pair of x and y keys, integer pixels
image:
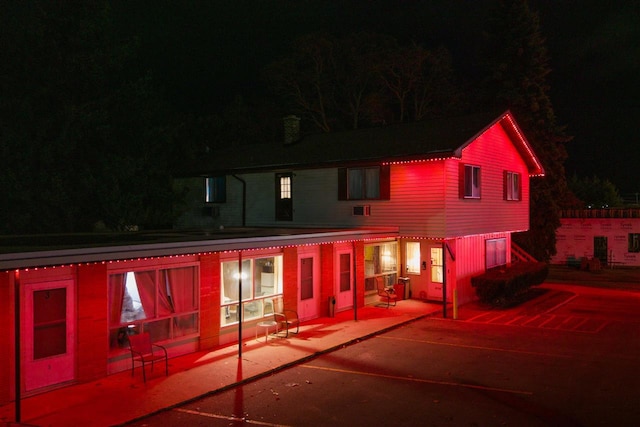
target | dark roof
[
  {"x": 441, "y": 137},
  {"x": 50, "y": 250}
]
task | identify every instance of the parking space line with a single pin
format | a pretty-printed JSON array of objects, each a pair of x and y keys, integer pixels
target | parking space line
[
  {"x": 225, "y": 417},
  {"x": 420, "y": 380}
]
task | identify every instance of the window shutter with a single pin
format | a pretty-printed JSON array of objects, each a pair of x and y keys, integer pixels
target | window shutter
[
  {"x": 385, "y": 182},
  {"x": 342, "y": 184},
  {"x": 505, "y": 185},
  {"x": 520, "y": 186},
  {"x": 461, "y": 167}
]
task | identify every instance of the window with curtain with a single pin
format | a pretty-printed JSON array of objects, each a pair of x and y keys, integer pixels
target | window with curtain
[
  {"x": 163, "y": 302},
  {"x": 413, "y": 257},
  {"x": 364, "y": 183},
  {"x": 496, "y": 252},
  {"x": 380, "y": 265},
  {"x": 259, "y": 280}
]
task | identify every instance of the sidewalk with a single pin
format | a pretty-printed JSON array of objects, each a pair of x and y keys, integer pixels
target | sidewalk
[{"x": 119, "y": 398}]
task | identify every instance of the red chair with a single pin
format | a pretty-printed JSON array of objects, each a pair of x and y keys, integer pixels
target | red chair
[
  {"x": 144, "y": 351},
  {"x": 387, "y": 295}
]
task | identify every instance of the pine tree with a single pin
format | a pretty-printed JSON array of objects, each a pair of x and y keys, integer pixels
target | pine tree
[{"x": 517, "y": 67}]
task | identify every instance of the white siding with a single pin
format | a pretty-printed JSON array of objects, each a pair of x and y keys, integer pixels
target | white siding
[
  {"x": 494, "y": 153},
  {"x": 470, "y": 262}
]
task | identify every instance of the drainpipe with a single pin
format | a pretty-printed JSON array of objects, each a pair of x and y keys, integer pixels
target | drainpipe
[
  {"x": 355, "y": 281},
  {"x": 244, "y": 199},
  {"x": 239, "y": 304},
  {"x": 16, "y": 311},
  {"x": 444, "y": 280}
]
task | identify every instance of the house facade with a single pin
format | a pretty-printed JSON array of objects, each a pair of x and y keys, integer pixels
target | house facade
[
  {"x": 610, "y": 235},
  {"x": 320, "y": 219}
]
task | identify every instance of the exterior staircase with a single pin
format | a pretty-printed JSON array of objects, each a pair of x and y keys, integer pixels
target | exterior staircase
[{"x": 520, "y": 255}]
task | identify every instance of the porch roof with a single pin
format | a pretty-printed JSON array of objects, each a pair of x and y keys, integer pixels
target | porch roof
[{"x": 18, "y": 252}]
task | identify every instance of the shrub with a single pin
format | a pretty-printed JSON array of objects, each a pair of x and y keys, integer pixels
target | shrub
[{"x": 503, "y": 286}]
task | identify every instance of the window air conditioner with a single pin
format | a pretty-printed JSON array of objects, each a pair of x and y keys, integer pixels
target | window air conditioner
[{"x": 362, "y": 210}]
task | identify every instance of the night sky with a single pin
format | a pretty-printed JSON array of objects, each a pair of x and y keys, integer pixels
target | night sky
[{"x": 206, "y": 52}]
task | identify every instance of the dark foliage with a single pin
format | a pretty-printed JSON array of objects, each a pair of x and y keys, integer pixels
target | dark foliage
[{"x": 502, "y": 287}]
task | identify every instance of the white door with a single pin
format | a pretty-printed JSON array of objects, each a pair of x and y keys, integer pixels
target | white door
[
  {"x": 436, "y": 277},
  {"x": 308, "y": 286},
  {"x": 344, "y": 281},
  {"x": 48, "y": 334}
]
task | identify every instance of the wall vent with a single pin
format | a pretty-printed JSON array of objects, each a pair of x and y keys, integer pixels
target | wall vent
[
  {"x": 211, "y": 211},
  {"x": 361, "y": 210}
]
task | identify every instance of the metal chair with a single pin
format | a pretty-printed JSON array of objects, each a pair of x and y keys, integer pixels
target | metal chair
[
  {"x": 144, "y": 351},
  {"x": 285, "y": 319}
]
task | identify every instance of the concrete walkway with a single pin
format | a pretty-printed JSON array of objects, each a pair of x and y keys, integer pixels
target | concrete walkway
[{"x": 119, "y": 398}]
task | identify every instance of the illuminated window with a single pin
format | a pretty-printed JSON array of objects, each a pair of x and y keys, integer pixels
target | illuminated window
[
  {"x": 496, "y": 252},
  {"x": 380, "y": 265},
  {"x": 285, "y": 187},
  {"x": 163, "y": 302},
  {"x": 215, "y": 189},
  {"x": 634, "y": 242},
  {"x": 364, "y": 183},
  {"x": 413, "y": 257},
  {"x": 512, "y": 186},
  {"x": 261, "y": 284},
  {"x": 284, "y": 197}
]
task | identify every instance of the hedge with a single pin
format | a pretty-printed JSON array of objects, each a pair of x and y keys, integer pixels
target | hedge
[{"x": 503, "y": 286}]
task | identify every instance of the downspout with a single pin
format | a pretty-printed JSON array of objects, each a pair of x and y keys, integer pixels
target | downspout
[
  {"x": 16, "y": 311},
  {"x": 239, "y": 304},
  {"x": 445, "y": 249},
  {"x": 244, "y": 199},
  {"x": 444, "y": 280},
  {"x": 355, "y": 282}
]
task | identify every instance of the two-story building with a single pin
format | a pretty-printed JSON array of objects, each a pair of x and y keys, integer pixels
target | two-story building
[{"x": 318, "y": 218}]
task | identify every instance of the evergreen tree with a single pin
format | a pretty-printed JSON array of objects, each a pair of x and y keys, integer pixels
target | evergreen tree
[{"x": 517, "y": 67}]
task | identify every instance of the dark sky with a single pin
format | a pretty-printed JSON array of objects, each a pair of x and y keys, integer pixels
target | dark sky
[{"x": 207, "y": 51}]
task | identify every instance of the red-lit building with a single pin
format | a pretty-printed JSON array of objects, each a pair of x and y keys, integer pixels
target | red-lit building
[{"x": 319, "y": 217}]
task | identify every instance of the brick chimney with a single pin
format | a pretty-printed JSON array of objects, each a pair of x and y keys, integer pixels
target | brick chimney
[{"x": 291, "y": 129}]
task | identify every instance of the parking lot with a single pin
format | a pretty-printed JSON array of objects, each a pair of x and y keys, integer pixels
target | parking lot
[{"x": 569, "y": 357}]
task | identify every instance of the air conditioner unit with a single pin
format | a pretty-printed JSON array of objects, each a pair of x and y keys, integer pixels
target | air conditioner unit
[
  {"x": 211, "y": 211},
  {"x": 361, "y": 210}
]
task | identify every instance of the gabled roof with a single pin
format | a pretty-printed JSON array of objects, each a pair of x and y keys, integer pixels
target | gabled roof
[{"x": 436, "y": 138}]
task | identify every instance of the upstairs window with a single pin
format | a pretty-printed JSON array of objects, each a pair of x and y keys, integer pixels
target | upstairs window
[
  {"x": 469, "y": 181},
  {"x": 364, "y": 183},
  {"x": 512, "y": 186},
  {"x": 215, "y": 189}
]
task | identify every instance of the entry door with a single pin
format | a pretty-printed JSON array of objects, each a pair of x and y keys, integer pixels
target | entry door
[
  {"x": 436, "y": 277},
  {"x": 308, "y": 303},
  {"x": 344, "y": 282},
  {"x": 600, "y": 248},
  {"x": 48, "y": 334}
]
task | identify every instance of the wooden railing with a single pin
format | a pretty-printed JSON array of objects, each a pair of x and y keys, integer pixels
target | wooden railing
[{"x": 520, "y": 255}]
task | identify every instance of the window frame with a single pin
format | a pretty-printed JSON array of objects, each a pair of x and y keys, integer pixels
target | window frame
[
  {"x": 375, "y": 270},
  {"x": 263, "y": 305},
  {"x": 382, "y": 186},
  {"x": 172, "y": 321},
  {"x": 491, "y": 248},
  {"x": 512, "y": 186},
  {"x": 633, "y": 243},
  {"x": 215, "y": 189},
  {"x": 470, "y": 181}
]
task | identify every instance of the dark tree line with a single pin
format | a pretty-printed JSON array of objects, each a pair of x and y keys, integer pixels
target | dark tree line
[
  {"x": 363, "y": 79},
  {"x": 90, "y": 139},
  {"x": 85, "y": 136}
]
